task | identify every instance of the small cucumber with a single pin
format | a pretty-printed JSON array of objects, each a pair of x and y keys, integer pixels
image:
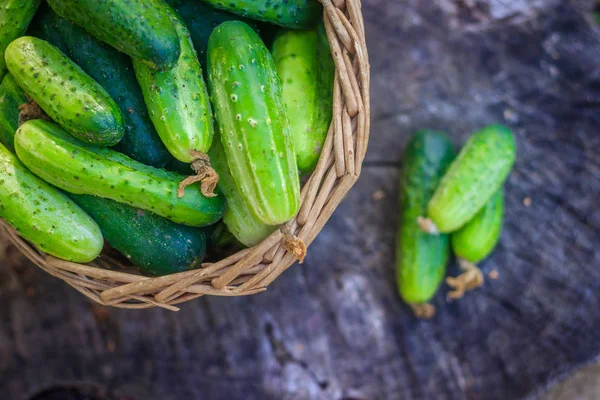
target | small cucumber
[
  {"x": 296, "y": 14},
  {"x": 15, "y": 16},
  {"x": 421, "y": 258},
  {"x": 478, "y": 238},
  {"x": 11, "y": 97},
  {"x": 64, "y": 91},
  {"x": 307, "y": 70},
  {"x": 79, "y": 168},
  {"x": 240, "y": 221},
  {"x": 43, "y": 215},
  {"x": 178, "y": 101},
  {"x": 253, "y": 125},
  {"x": 154, "y": 244},
  {"x": 139, "y": 28},
  {"x": 477, "y": 173}
]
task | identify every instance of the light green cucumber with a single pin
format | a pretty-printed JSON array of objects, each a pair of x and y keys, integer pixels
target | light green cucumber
[
  {"x": 11, "y": 97},
  {"x": 240, "y": 221},
  {"x": 141, "y": 29},
  {"x": 15, "y": 16},
  {"x": 478, "y": 238},
  {"x": 49, "y": 152},
  {"x": 177, "y": 100},
  {"x": 477, "y": 173},
  {"x": 65, "y": 92},
  {"x": 43, "y": 215},
  {"x": 307, "y": 70},
  {"x": 253, "y": 125}
]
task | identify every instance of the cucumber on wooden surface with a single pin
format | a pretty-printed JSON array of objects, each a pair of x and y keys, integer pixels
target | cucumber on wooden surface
[
  {"x": 306, "y": 68},
  {"x": 240, "y": 221},
  {"x": 478, "y": 172},
  {"x": 177, "y": 99},
  {"x": 49, "y": 152},
  {"x": 11, "y": 97},
  {"x": 43, "y": 215},
  {"x": 154, "y": 244},
  {"x": 15, "y": 16},
  {"x": 64, "y": 91},
  {"x": 139, "y": 28},
  {"x": 253, "y": 125},
  {"x": 478, "y": 238},
  {"x": 421, "y": 258}
]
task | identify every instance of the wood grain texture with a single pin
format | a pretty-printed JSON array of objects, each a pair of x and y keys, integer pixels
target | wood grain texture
[{"x": 334, "y": 328}]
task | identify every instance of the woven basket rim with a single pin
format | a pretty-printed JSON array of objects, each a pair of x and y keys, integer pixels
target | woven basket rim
[{"x": 250, "y": 271}]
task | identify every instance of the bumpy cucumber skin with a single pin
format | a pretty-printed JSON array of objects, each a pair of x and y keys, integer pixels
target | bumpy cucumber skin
[
  {"x": 44, "y": 216},
  {"x": 154, "y": 244},
  {"x": 177, "y": 99},
  {"x": 478, "y": 238},
  {"x": 49, "y": 152},
  {"x": 240, "y": 221},
  {"x": 252, "y": 122},
  {"x": 11, "y": 97},
  {"x": 477, "y": 173},
  {"x": 421, "y": 258},
  {"x": 65, "y": 92},
  {"x": 114, "y": 71},
  {"x": 139, "y": 28},
  {"x": 15, "y": 16},
  {"x": 296, "y": 14},
  {"x": 307, "y": 70}
]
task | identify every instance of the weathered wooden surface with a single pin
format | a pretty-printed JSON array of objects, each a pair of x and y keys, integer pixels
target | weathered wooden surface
[{"x": 334, "y": 327}]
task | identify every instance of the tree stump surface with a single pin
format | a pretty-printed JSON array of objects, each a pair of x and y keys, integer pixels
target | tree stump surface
[{"x": 334, "y": 327}]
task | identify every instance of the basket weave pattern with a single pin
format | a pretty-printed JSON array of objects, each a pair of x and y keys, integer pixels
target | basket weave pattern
[{"x": 250, "y": 271}]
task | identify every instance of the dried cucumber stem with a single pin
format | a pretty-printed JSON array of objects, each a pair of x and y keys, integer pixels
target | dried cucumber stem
[
  {"x": 204, "y": 174},
  {"x": 428, "y": 226},
  {"x": 29, "y": 111},
  {"x": 293, "y": 243},
  {"x": 423, "y": 311},
  {"x": 470, "y": 279}
]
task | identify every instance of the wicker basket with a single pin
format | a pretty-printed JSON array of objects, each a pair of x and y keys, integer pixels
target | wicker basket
[{"x": 250, "y": 271}]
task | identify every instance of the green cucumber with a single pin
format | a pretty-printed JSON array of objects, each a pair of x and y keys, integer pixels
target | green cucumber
[
  {"x": 240, "y": 221},
  {"x": 114, "y": 71},
  {"x": 64, "y": 91},
  {"x": 15, "y": 16},
  {"x": 178, "y": 101},
  {"x": 477, "y": 173},
  {"x": 11, "y": 97},
  {"x": 44, "y": 216},
  {"x": 154, "y": 244},
  {"x": 307, "y": 70},
  {"x": 421, "y": 258},
  {"x": 49, "y": 152},
  {"x": 253, "y": 125},
  {"x": 139, "y": 28},
  {"x": 295, "y": 14},
  {"x": 478, "y": 238}
]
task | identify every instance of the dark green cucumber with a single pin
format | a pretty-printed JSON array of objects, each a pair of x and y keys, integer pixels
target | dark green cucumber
[
  {"x": 477, "y": 173},
  {"x": 307, "y": 70},
  {"x": 177, "y": 100},
  {"x": 253, "y": 125},
  {"x": 15, "y": 16},
  {"x": 114, "y": 71},
  {"x": 64, "y": 91},
  {"x": 240, "y": 221},
  {"x": 154, "y": 244},
  {"x": 478, "y": 238},
  {"x": 11, "y": 97},
  {"x": 49, "y": 152},
  {"x": 139, "y": 28},
  {"x": 421, "y": 258},
  {"x": 295, "y": 14},
  {"x": 43, "y": 215}
]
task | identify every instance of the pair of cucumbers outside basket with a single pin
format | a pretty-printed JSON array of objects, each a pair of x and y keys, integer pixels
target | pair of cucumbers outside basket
[{"x": 251, "y": 270}]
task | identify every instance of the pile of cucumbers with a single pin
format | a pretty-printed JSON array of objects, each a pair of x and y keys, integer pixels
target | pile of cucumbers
[
  {"x": 106, "y": 107},
  {"x": 450, "y": 203}
]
